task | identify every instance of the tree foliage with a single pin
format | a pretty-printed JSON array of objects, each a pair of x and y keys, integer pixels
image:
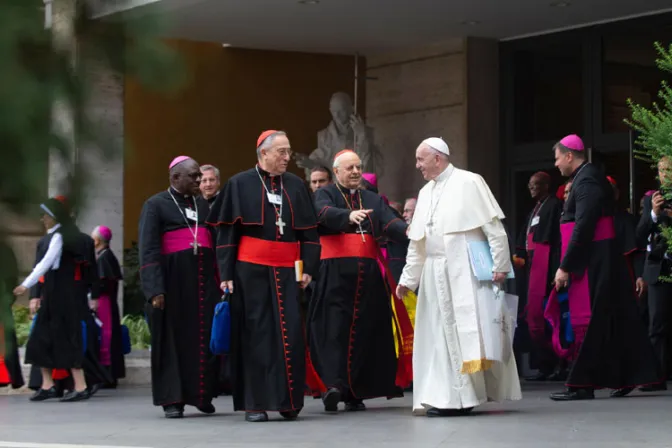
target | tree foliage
[{"x": 39, "y": 73}]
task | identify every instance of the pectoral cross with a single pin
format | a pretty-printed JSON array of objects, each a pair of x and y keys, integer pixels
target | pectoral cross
[
  {"x": 281, "y": 225},
  {"x": 195, "y": 245},
  {"x": 361, "y": 232}
]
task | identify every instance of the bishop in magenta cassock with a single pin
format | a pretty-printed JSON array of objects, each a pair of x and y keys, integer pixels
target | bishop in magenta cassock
[
  {"x": 177, "y": 271},
  {"x": 267, "y": 249},
  {"x": 612, "y": 348},
  {"x": 350, "y": 318},
  {"x": 539, "y": 246}
]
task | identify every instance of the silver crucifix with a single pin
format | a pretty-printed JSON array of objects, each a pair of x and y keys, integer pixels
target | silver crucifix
[
  {"x": 281, "y": 225},
  {"x": 195, "y": 245}
]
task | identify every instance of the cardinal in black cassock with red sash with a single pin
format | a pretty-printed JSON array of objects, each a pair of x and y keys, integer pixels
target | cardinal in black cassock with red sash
[
  {"x": 613, "y": 348},
  {"x": 350, "y": 318},
  {"x": 539, "y": 245},
  {"x": 267, "y": 228},
  {"x": 179, "y": 280}
]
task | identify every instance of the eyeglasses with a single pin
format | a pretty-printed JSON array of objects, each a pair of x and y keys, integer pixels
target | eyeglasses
[{"x": 284, "y": 152}]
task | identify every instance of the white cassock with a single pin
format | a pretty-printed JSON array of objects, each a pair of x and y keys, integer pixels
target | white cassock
[{"x": 455, "y": 208}]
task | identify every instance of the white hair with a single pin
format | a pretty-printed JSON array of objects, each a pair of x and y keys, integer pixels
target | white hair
[
  {"x": 337, "y": 160},
  {"x": 210, "y": 168},
  {"x": 268, "y": 141}
]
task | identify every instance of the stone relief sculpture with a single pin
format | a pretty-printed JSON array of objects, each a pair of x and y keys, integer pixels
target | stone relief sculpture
[{"x": 345, "y": 131}]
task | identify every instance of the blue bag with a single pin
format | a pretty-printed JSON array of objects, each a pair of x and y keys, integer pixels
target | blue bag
[
  {"x": 85, "y": 337},
  {"x": 125, "y": 340},
  {"x": 220, "y": 336}
]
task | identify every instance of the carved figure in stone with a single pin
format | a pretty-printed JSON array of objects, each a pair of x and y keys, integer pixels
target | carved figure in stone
[{"x": 345, "y": 131}]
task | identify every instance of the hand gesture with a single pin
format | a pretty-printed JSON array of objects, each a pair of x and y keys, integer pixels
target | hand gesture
[
  {"x": 499, "y": 277},
  {"x": 640, "y": 287},
  {"x": 158, "y": 302},
  {"x": 402, "y": 291},
  {"x": 305, "y": 280},
  {"x": 34, "y": 306},
  {"x": 657, "y": 202},
  {"x": 357, "y": 125},
  {"x": 227, "y": 286},
  {"x": 20, "y": 290},
  {"x": 93, "y": 304},
  {"x": 561, "y": 279},
  {"x": 357, "y": 216}
]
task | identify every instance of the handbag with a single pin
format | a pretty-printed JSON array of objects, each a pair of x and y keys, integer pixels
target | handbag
[{"x": 220, "y": 336}]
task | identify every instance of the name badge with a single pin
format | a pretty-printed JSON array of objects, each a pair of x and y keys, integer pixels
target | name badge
[
  {"x": 535, "y": 221},
  {"x": 191, "y": 214},
  {"x": 274, "y": 198}
]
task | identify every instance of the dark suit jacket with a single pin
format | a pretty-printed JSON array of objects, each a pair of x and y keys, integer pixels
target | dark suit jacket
[{"x": 649, "y": 233}]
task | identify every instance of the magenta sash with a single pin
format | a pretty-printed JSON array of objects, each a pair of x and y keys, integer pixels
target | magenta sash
[
  {"x": 105, "y": 316},
  {"x": 380, "y": 263},
  {"x": 537, "y": 287},
  {"x": 183, "y": 239},
  {"x": 579, "y": 292}
]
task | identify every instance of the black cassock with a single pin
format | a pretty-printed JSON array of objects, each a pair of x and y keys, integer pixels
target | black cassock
[
  {"x": 615, "y": 351},
  {"x": 268, "y": 354},
  {"x": 56, "y": 340},
  {"x": 109, "y": 273},
  {"x": 9, "y": 272},
  {"x": 539, "y": 244},
  {"x": 396, "y": 252},
  {"x": 350, "y": 317},
  {"x": 183, "y": 368}
]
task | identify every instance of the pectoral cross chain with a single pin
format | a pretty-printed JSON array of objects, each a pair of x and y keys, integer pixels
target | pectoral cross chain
[{"x": 281, "y": 225}]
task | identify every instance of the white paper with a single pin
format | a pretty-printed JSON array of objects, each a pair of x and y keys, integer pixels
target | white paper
[
  {"x": 274, "y": 198},
  {"x": 535, "y": 221},
  {"x": 191, "y": 214}
]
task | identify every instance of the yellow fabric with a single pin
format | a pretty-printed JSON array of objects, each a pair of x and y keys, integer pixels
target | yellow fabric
[
  {"x": 410, "y": 302},
  {"x": 478, "y": 365}
]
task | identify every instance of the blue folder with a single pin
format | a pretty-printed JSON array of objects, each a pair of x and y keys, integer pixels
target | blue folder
[{"x": 481, "y": 261}]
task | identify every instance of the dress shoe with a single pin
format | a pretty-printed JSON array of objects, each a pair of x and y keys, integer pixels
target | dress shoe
[
  {"x": 331, "y": 398},
  {"x": 573, "y": 394},
  {"x": 94, "y": 389},
  {"x": 436, "y": 412},
  {"x": 618, "y": 393},
  {"x": 45, "y": 394},
  {"x": 73, "y": 396},
  {"x": 255, "y": 417},
  {"x": 207, "y": 408},
  {"x": 654, "y": 387},
  {"x": 355, "y": 406},
  {"x": 173, "y": 411},
  {"x": 538, "y": 377},
  {"x": 558, "y": 375},
  {"x": 290, "y": 415}
]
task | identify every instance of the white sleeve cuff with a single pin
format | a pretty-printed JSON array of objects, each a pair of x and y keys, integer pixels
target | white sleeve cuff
[{"x": 654, "y": 217}]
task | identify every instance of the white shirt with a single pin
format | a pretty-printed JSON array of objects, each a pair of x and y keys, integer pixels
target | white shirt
[{"x": 51, "y": 260}]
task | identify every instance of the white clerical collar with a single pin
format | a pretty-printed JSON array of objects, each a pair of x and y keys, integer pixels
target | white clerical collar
[
  {"x": 445, "y": 174},
  {"x": 53, "y": 229}
]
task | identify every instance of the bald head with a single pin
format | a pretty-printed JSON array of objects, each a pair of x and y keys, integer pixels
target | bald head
[
  {"x": 185, "y": 177},
  {"x": 348, "y": 170}
]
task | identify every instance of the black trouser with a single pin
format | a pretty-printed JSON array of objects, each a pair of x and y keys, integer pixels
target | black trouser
[{"x": 660, "y": 321}]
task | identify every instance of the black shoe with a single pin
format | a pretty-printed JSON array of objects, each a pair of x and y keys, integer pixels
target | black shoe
[
  {"x": 45, "y": 394},
  {"x": 573, "y": 394},
  {"x": 436, "y": 412},
  {"x": 618, "y": 393},
  {"x": 290, "y": 415},
  {"x": 94, "y": 389},
  {"x": 558, "y": 375},
  {"x": 207, "y": 408},
  {"x": 173, "y": 411},
  {"x": 355, "y": 406},
  {"x": 255, "y": 417},
  {"x": 654, "y": 387},
  {"x": 73, "y": 396},
  {"x": 331, "y": 398},
  {"x": 541, "y": 376}
]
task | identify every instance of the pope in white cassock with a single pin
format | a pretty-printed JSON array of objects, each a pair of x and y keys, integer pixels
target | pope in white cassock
[{"x": 451, "y": 374}]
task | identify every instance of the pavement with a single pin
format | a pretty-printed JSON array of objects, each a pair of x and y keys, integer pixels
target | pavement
[{"x": 126, "y": 418}]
